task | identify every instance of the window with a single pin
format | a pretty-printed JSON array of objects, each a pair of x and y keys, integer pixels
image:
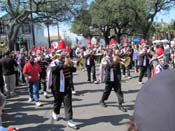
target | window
[
  {"x": 1, "y": 28},
  {"x": 26, "y": 29}
]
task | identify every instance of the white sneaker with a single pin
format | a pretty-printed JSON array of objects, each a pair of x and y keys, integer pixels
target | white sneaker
[
  {"x": 74, "y": 92},
  {"x": 45, "y": 94},
  {"x": 38, "y": 104},
  {"x": 140, "y": 82},
  {"x": 30, "y": 99},
  {"x": 71, "y": 124},
  {"x": 96, "y": 82},
  {"x": 55, "y": 116},
  {"x": 123, "y": 76},
  {"x": 129, "y": 77}
]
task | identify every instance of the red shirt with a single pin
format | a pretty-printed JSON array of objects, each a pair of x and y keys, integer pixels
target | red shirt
[
  {"x": 159, "y": 51},
  {"x": 32, "y": 70}
]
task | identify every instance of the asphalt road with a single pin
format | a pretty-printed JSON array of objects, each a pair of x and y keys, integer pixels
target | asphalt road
[{"x": 88, "y": 114}]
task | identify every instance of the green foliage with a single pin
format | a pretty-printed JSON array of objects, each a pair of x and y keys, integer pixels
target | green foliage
[
  {"x": 45, "y": 11},
  {"x": 146, "y": 12},
  {"x": 127, "y": 16},
  {"x": 82, "y": 23},
  {"x": 118, "y": 15}
]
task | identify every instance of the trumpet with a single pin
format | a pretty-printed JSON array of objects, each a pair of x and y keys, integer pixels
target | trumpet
[
  {"x": 71, "y": 62},
  {"x": 124, "y": 61}
]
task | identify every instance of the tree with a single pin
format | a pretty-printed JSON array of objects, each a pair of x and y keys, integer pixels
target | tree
[
  {"x": 146, "y": 10},
  {"x": 126, "y": 16},
  {"x": 113, "y": 14},
  {"x": 82, "y": 24},
  {"x": 100, "y": 18},
  {"x": 163, "y": 30},
  {"x": 20, "y": 11}
]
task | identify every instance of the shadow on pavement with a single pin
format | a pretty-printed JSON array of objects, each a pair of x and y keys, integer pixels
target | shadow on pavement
[
  {"x": 82, "y": 92},
  {"x": 130, "y": 91},
  {"x": 129, "y": 107},
  {"x": 22, "y": 119},
  {"x": 81, "y": 83},
  {"x": 113, "y": 119},
  {"x": 45, "y": 127},
  {"x": 24, "y": 107},
  {"x": 91, "y": 104}
]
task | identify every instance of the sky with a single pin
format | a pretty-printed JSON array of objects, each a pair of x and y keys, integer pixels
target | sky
[
  {"x": 167, "y": 17},
  {"x": 64, "y": 28}
]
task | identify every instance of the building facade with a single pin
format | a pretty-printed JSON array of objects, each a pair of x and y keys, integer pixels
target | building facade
[{"x": 25, "y": 36}]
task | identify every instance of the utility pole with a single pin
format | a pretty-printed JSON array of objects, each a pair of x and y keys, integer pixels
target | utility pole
[
  {"x": 58, "y": 30},
  {"x": 32, "y": 28},
  {"x": 48, "y": 31}
]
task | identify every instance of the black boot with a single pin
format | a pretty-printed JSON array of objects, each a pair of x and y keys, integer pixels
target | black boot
[
  {"x": 102, "y": 103},
  {"x": 122, "y": 108}
]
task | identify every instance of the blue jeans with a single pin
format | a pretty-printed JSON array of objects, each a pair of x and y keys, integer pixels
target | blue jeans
[{"x": 33, "y": 90}]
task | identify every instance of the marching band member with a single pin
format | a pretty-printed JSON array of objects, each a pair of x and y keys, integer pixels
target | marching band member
[
  {"x": 126, "y": 52},
  {"x": 61, "y": 77},
  {"x": 103, "y": 65},
  {"x": 90, "y": 64},
  {"x": 113, "y": 80},
  {"x": 143, "y": 63}
]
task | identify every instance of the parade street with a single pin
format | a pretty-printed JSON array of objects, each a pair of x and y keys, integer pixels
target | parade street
[{"x": 87, "y": 113}]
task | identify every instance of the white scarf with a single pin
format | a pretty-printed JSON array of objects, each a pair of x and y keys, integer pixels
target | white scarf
[
  {"x": 62, "y": 82},
  {"x": 111, "y": 75},
  {"x": 88, "y": 61},
  {"x": 111, "y": 70}
]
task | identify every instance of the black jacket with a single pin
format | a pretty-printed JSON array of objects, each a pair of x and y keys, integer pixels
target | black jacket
[
  {"x": 1, "y": 77},
  {"x": 141, "y": 59},
  {"x": 117, "y": 71},
  {"x": 56, "y": 76},
  {"x": 8, "y": 65},
  {"x": 92, "y": 59}
]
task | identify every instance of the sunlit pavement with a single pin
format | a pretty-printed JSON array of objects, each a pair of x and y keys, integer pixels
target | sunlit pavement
[{"x": 88, "y": 114}]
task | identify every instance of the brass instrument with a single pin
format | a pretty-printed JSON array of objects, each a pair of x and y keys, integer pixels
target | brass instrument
[
  {"x": 124, "y": 61},
  {"x": 74, "y": 63},
  {"x": 79, "y": 63},
  {"x": 53, "y": 55},
  {"x": 104, "y": 61},
  {"x": 3, "y": 45}
]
